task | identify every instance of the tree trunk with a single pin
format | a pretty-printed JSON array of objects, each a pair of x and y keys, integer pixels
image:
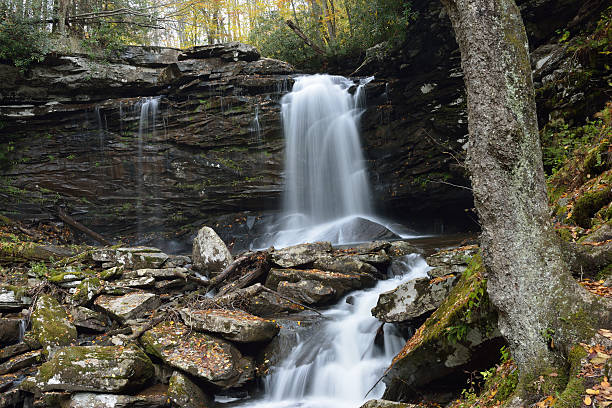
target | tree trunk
[{"x": 542, "y": 310}]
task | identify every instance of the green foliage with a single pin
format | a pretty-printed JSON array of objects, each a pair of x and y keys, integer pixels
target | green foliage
[
  {"x": 560, "y": 141},
  {"x": 360, "y": 24},
  {"x": 21, "y": 42},
  {"x": 104, "y": 37}
]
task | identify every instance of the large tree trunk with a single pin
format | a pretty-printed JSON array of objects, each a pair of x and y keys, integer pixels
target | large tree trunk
[{"x": 542, "y": 310}]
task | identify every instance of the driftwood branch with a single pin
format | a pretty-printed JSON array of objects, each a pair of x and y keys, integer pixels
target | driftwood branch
[
  {"x": 306, "y": 40},
  {"x": 75, "y": 224},
  {"x": 262, "y": 266},
  {"x": 288, "y": 299},
  {"x": 227, "y": 272}
]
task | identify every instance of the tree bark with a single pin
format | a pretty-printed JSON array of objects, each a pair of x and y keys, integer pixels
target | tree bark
[{"x": 542, "y": 310}]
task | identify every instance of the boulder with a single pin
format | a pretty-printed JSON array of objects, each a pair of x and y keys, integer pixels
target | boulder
[
  {"x": 96, "y": 369},
  {"x": 13, "y": 350},
  {"x": 129, "y": 306},
  {"x": 11, "y": 330},
  {"x": 402, "y": 248},
  {"x": 345, "y": 264},
  {"x": 266, "y": 304},
  {"x": 299, "y": 255},
  {"x": 131, "y": 258},
  {"x": 233, "y": 325},
  {"x": 51, "y": 324},
  {"x": 87, "y": 320},
  {"x": 341, "y": 283},
  {"x": 198, "y": 354},
  {"x": 185, "y": 394},
  {"x": 157, "y": 274},
  {"x": 451, "y": 261},
  {"x": 461, "y": 336},
  {"x": 413, "y": 300},
  {"x": 87, "y": 291},
  {"x": 209, "y": 252},
  {"x": 307, "y": 291}
]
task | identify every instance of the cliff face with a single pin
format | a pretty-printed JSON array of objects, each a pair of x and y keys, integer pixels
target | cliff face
[
  {"x": 156, "y": 138},
  {"x": 70, "y": 127},
  {"x": 416, "y": 131}
]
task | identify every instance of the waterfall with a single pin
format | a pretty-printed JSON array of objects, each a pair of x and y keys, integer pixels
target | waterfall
[
  {"x": 327, "y": 193},
  {"x": 148, "y": 114},
  {"x": 335, "y": 364}
]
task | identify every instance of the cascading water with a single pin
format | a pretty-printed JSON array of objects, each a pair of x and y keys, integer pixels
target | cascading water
[
  {"x": 335, "y": 364},
  {"x": 146, "y": 126}
]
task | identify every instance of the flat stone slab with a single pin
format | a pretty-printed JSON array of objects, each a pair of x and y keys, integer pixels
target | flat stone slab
[
  {"x": 157, "y": 274},
  {"x": 340, "y": 282},
  {"x": 198, "y": 354},
  {"x": 92, "y": 400},
  {"x": 13, "y": 299},
  {"x": 233, "y": 325},
  {"x": 129, "y": 306},
  {"x": 96, "y": 368},
  {"x": 302, "y": 254},
  {"x": 21, "y": 361}
]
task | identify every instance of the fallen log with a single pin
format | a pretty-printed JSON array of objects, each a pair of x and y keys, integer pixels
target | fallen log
[{"x": 75, "y": 224}]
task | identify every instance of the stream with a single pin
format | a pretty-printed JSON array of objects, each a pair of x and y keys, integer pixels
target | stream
[{"x": 335, "y": 363}]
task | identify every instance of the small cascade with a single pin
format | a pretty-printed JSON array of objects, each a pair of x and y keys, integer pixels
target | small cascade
[
  {"x": 146, "y": 129},
  {"x": 336, "y": 363},
  {"x": 255, "y": 129},
  {"x": 22, "y": 329}
]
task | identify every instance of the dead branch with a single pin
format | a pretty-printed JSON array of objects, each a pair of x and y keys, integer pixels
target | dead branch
[
  {"x": 75, "y": 224},
  {"x": 306, "y": 40}
]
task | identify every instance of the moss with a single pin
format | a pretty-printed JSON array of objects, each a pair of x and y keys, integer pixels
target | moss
[
  {"x": 572, "y": 394},
  {"x": 51, "y": 325},
  {"x": 588, "y": 205},
  {"x": 466, "y": 306}
]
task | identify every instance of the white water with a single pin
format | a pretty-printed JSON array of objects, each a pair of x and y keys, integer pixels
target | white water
[
  {"x": 146, "y": 126},
  {"x": 335, "y": 364}
]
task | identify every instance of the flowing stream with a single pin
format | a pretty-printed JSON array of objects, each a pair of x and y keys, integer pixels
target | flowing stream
[{"x": 335, "y": 363}]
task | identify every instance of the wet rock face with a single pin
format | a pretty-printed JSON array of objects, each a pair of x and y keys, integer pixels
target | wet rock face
[
  {"x": 81, "y": 139},
  {"x": 10, "y": 331},
  {"x": 129, "y": 306},
  {"x": 201, "y": 355}
]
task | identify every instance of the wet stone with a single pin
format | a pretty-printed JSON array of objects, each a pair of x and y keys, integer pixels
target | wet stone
[{"x": 10, "y": 330}]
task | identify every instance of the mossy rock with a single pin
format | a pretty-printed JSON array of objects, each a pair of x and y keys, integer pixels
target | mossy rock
[
  {"x": 51, "y": 324},
  {"x": 185, "y": 393},
  {"x": 459, "y": 334},
  {"x": 588, "y": 205},
  {"x": 87, "y": 290},
  {"x": 96, "y": 368}
]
